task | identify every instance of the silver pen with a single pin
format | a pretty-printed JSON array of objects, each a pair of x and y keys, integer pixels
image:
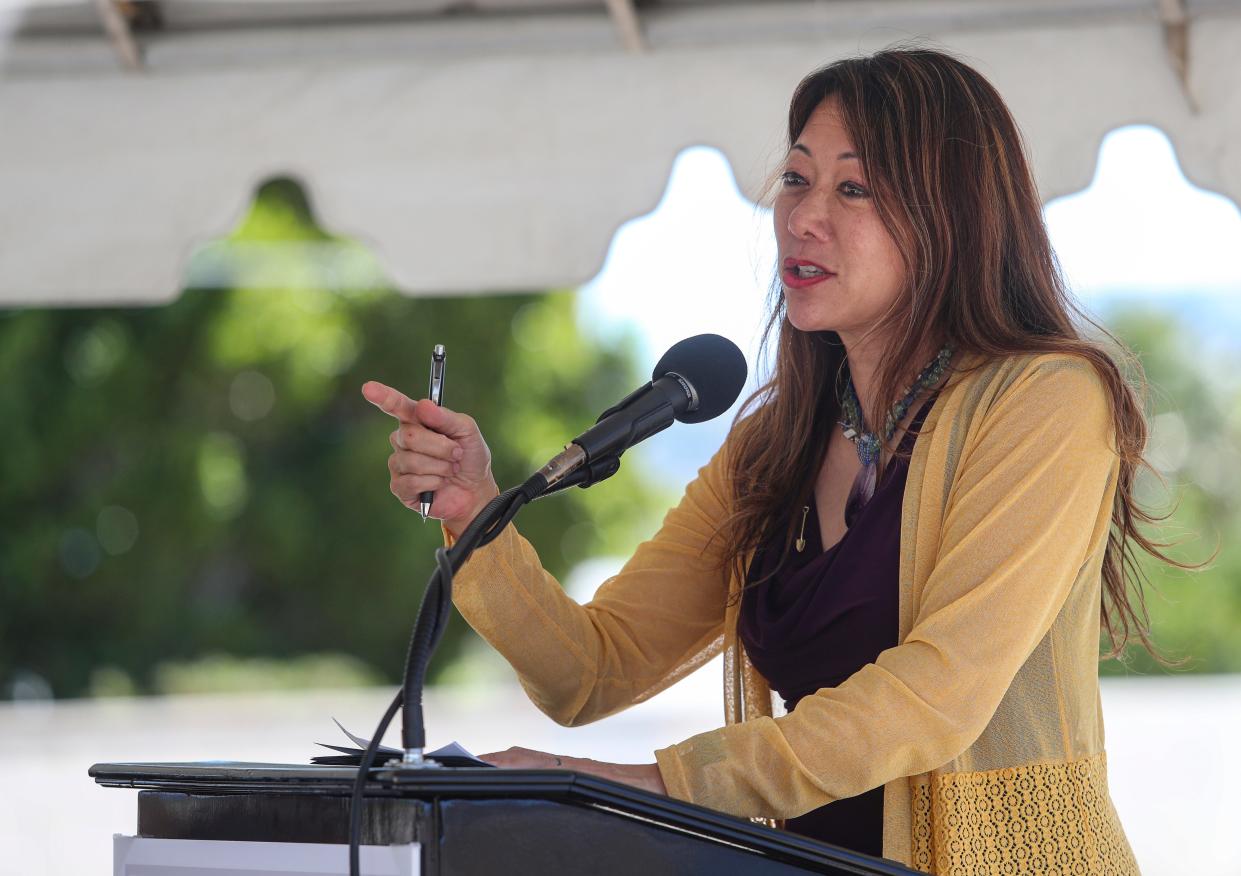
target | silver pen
[{"x": 436, "y": 394}]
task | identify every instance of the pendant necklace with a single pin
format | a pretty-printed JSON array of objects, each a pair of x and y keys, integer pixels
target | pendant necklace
[{"x": 868, "y": 443}]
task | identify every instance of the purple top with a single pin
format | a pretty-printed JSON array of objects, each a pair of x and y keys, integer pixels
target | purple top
[{"x": 825, "y": 615}]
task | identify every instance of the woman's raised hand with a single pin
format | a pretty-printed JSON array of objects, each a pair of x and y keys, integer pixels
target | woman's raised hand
[{"x": 434, "y": 448}]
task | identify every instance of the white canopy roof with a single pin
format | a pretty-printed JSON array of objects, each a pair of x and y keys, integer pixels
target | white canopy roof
[{"x": 498, "y": 144}]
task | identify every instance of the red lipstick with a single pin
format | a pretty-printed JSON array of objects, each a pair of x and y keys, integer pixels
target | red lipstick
[{"x": 795, "y": 273}]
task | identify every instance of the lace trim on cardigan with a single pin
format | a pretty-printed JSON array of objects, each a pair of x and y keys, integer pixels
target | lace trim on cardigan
[{"x": 1038, "y": 819}]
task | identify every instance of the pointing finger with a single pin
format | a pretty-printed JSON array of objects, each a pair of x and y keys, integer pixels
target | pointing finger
[{"x": 390, "y": 401}]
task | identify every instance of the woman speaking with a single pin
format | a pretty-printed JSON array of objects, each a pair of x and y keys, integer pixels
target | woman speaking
[{"x": 911, "y": 536}]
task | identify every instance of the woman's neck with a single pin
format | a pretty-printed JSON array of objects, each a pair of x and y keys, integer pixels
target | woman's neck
[{"x": 865, "y": 358}]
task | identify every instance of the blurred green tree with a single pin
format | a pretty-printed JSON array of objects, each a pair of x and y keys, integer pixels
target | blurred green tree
[
  {"x": 205, "y": 478},
  {"x": 1194, "y": 412}
]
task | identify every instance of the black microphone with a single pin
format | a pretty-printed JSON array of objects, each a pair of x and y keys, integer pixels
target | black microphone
[{"x": 696, "y": 380}]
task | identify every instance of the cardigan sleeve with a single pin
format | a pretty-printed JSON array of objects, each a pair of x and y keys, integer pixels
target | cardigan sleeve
[
  {"x": 658, "y": 618},
  {"x": 1026, "y": 518}
]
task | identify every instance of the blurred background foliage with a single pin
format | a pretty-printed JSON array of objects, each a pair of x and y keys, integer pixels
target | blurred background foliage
[
  {"x": 195, "y": 496},
  {"x": 1194, "y": 411}
]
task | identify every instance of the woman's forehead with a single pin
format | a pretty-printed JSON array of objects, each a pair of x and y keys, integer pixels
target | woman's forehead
[{"x": 824, "y": 136}]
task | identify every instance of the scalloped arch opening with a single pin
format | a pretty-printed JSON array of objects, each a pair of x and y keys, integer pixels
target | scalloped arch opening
[
  {"x": 1143, "y": 228},
  {"x": 701, "y": 261},
  {"x": 279, "y": 242}
]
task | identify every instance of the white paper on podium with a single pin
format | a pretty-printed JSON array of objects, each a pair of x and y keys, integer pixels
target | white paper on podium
[
  {"x": 363, "y": 743},
  {"x": 452, "y": 749},
  {"x": 146, "y": 856}
]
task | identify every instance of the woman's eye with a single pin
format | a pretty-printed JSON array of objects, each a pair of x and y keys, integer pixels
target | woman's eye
[
  {"x": 853, "y": 190},
  {"x": 790, "y": 178}
]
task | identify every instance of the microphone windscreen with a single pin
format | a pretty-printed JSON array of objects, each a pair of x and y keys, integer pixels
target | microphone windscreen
[{"x": 714, "y": 366}]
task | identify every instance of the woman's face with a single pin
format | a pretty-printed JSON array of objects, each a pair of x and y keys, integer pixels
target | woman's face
[{"x": 825, "y": 216}]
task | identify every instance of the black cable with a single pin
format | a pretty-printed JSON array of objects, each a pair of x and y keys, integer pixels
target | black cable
[
  {"x": 434, "y": 612},
  {"x": 359, "y": 785}
]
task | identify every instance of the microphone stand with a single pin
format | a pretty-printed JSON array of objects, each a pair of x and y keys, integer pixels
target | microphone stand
[{"x": 435, "y": 610}]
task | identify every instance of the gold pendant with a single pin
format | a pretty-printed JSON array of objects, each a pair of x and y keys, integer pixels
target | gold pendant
[{"x": 801, "y": 536}]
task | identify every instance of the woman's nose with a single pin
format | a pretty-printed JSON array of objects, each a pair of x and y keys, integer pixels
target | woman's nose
[{"x": 811, "y": 218}]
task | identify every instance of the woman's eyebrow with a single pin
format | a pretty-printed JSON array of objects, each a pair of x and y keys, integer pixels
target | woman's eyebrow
[{"x": 841, "y": 157}]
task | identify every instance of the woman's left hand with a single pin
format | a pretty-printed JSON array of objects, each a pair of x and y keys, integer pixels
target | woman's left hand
[{"x": 640, "y": 775}]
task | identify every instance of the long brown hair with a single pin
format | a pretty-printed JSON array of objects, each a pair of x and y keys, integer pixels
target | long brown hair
[{"x": 952, "y": 185}]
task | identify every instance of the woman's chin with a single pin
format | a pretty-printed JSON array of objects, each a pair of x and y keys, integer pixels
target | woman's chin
[{"x": 808, "y": 322}]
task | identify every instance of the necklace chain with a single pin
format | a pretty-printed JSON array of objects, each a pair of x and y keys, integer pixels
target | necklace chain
[{"x": 854, "y": 424}]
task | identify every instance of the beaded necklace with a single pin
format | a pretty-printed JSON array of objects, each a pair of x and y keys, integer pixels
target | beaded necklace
[{"x": 868, "y": 443}]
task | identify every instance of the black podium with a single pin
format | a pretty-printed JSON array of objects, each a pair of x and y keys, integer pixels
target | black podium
[{"x": 463, "y": 822}]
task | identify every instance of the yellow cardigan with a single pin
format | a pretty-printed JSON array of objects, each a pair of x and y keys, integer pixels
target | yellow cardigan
[{"x": 984, "y": 724}]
